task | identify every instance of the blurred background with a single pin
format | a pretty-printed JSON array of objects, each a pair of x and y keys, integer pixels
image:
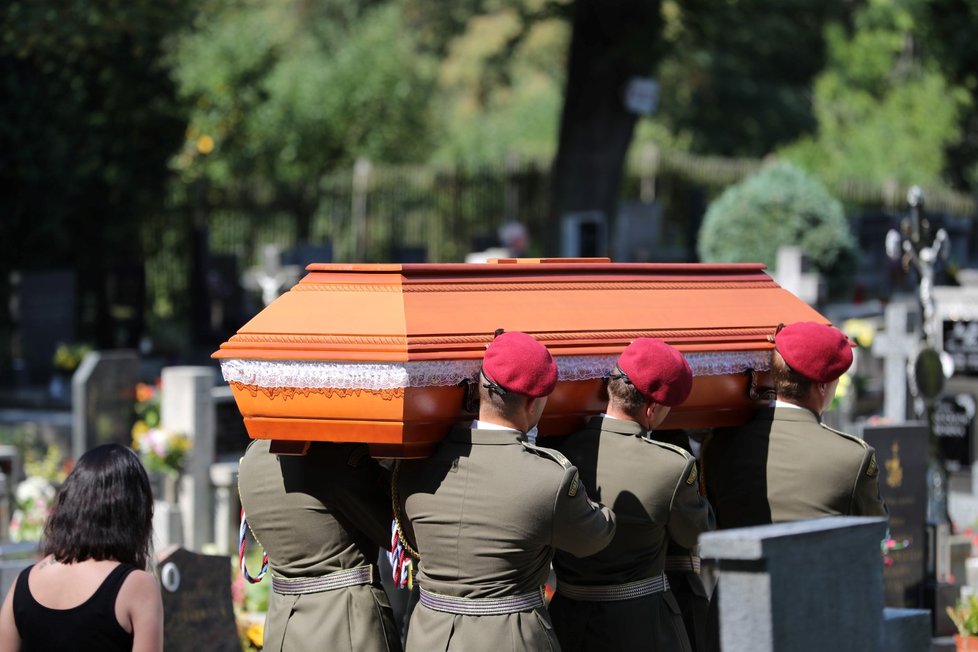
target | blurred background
[{"x": 168, "y": 166}]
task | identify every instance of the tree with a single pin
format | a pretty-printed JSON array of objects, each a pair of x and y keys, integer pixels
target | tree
[
  {"x": 780, "y": 205},
  {"x": 285, "y": 92},
  {"x": 612, "y": 41},
  {"x": 885, "y": 112},
  {"x": 88, "y": 121},
  {"x": 737, "y": 77}
]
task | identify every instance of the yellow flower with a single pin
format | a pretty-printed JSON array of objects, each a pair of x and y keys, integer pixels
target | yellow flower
[
  {"x": 256, "y": 634},
  {"x": 205, "y": 144},
  {"x": 859, "y": 330}
]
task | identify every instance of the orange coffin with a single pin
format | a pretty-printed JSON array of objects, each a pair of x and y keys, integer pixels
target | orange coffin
[{"x": 384, "y": 354}]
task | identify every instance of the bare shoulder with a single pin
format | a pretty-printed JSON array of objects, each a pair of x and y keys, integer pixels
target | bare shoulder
[{"x": 140, "y": 584}]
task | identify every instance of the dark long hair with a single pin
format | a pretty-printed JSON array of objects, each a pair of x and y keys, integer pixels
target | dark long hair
[{"x": 104, "y": 510}]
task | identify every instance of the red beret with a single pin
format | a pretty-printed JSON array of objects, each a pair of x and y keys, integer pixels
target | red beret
[
  {"x": 818, "y": 352},
  {"x": 518, "y": 363},
  {"x": 658, "y": 371}
]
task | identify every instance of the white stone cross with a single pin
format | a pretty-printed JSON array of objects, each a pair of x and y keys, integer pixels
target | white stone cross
[
  {"x": 897, "y": 345},
  {"x": 272, "y": 278}
]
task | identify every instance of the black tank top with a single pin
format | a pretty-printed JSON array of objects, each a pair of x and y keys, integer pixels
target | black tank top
[{"x": 91, "y": 626}]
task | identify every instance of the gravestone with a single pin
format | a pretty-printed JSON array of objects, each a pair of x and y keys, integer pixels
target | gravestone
[
  {"x": 954, "y": 419},
  {"x": 961, "y": 343},
  {"x": 808, "y": 586},
  {"x": 793, "y": 274},
  {"x": 901, "y": 454},
  {"x": 897, "y": 345},
  {"x": 102, "y": 400},
  {"x": 44, "y": 313},
  {"x": 187, "y": 406},
  {"x": 197, "y": 608}
]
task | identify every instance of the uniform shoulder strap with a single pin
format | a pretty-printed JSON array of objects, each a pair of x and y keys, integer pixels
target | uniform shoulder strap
[
  {"x": 692, "y": 476},
  {"x": 859, "y": 441},
  {"x": 872, "y": 468},
  {"x": 550, "y": 453},
  {"x": 672, "y": 447}
]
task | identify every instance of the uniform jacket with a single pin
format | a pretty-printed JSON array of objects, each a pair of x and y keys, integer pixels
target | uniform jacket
[
  {"x": 654, "y": 490},
  {"x": 316, "y": 514},
  {"x": 784, "y": 465},
  {"x": 486, "y": 513}
]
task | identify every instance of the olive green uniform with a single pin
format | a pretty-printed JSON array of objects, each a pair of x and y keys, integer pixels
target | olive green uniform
[
  {"x": 784, "y": 465},
  {"x": 318, "y": 514},
  {"x": 654, "y": 491},
  {"x": 486, "y": 512}
]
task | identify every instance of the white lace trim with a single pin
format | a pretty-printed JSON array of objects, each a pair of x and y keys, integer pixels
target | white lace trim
[{"x": 394, "y": 375}]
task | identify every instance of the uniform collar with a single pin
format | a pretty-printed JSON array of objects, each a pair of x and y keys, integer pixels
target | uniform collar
[
  {"x": 492, "y": 436},
  {"x": 604, "y": 423},
  {"x": 792, "y": 413}
]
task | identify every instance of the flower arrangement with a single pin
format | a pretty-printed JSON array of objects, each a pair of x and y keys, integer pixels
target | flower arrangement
[
  {"x": 35, "y": 498},
  {"x": 161, "y": 450}
]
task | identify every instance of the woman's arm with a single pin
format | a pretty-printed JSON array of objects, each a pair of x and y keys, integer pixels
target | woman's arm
[
  {"x": 142, "y": 606},
  {"x": 9, "y": 636}
]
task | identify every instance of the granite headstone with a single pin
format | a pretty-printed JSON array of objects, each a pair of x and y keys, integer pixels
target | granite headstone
[
  {"x": 103, "y": 399},
  {"x": 901, "y": 453},
  {"x": 197, "y": 608}
]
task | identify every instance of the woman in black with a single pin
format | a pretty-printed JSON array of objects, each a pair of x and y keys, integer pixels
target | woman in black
[{"x": 91, "y": 590}]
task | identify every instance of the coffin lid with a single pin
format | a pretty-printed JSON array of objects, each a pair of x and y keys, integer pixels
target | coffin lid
[{"x": 419, "y": 312}]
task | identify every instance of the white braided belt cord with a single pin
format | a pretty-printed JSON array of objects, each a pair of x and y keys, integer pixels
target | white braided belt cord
[
  {"x": 482, "y": 606},
  {"x": 614, "y": 592},
  {"x": 338, "y": 580},
  {"x": 681, "y": 563}
]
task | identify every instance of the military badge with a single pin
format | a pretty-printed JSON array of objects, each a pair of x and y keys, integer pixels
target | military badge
[
  {"x": 872, "y": 469},
  {"x": 691, "y": 478},
  {"x": 575, "y": 483}
]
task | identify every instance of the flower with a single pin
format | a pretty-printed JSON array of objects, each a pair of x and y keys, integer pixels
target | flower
[
  {"x": 161, "y": 450},
  {"x": 35, "y": 498}
]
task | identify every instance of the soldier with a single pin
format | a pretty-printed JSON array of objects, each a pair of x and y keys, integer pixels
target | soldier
[
  {"x": 683, "y": 569},
  {"x": 321, "y": 518},
  {"x": 487, "y": 510},
  {"x": 619, "y": 599},
  {"x": 785, "y": 465}
]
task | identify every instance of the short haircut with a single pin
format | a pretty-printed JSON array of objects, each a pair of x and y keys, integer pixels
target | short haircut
[
  {"x": 625, "y": 396},
  {"x": 503, "y": 405},
  {"x": 788, "y": 383},
  {"x": 103, "y": 511}
]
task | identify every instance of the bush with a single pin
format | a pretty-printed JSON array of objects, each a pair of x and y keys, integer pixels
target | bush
[{"x": 780, "y": 205}]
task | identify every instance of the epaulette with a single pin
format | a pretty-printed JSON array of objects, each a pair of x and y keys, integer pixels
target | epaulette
[
  {"x": 873, "y": 468},
  {"x": 676, "y": 449},
  {"x": 859, "y": 441},
  {"x": 555, "y": 455}
]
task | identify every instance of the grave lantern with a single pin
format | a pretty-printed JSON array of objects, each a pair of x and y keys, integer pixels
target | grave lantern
[{"x": 388, "y": 354}]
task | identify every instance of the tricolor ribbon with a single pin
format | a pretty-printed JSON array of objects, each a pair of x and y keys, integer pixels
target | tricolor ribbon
[{"x": 242, "y": 532}]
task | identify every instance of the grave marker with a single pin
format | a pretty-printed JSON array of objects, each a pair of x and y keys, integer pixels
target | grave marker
[
  {"x": 102, "y": 400},
  {"x": 197, "y": 608},
  {"x": 901, "y": 454},
  {"x": 897, "y": 344}
]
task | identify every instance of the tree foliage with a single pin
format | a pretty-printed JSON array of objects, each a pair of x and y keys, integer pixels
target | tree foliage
[
  {"x": 88, "y": 121},
  {"x": 737, "y": 74},
  {"x": 885, "y": 112},
  {"x": 286, "y": 91},
  {"x": 780, "y": 205}
]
